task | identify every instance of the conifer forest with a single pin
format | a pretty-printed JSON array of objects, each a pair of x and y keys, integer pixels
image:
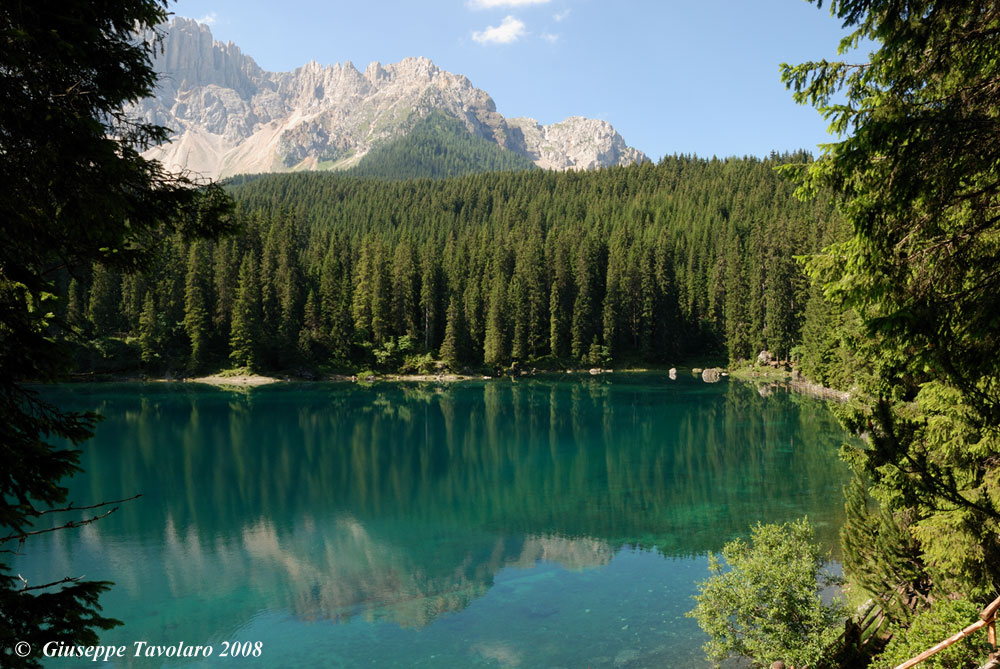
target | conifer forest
[{"x": 649, "y": 264}]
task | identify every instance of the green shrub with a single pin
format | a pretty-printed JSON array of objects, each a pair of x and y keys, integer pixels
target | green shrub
[
  {"x": 418, "y": 364},
  {"x": 391, "y": 355},
  {"x": 363, "y": 375},
  {"x": 235, "y": 371},
  {"x": 930, "y": 627},
  {"x": 768, "y": 605}
]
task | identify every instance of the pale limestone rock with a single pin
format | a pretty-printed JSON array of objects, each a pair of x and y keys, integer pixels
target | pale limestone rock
[
  {"x": 576, "y": 143},
  {"x": 711, "y": 375},
  {"x": 227, "y": 115}
]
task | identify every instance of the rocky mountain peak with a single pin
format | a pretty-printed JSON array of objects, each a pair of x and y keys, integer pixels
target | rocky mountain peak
[{"x": 227, "y": 115}]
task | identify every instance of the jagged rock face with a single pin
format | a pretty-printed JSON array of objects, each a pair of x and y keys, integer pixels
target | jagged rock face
[
  {"x": 576, "y": 143},
  {"x": 229, "y": 116}
]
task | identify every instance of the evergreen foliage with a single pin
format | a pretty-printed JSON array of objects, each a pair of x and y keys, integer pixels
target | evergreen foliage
[
  {"x": 917, "y": 178},
  {"x": 882, "y": 556},
  {"x": 438, "y": 146},
  {"x": 78, "y": 202},
  {"x": 615, "y": 266},
  {"x": 932, "y": 626},
  {"x": 247, "y": 326},
  {"x": 196, "y": 321}
]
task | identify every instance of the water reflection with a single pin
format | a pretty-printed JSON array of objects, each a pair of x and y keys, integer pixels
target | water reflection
[{"x": 400, "y": 503}]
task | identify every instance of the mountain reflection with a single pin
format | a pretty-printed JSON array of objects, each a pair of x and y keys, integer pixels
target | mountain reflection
[{"x": 400, "y": 503}]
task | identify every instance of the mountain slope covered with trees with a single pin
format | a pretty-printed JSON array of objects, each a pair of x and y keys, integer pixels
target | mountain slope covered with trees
[{"x": 438, "y": 146}]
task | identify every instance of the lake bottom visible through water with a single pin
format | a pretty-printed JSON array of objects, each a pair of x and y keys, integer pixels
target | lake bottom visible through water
[{"x": 527, "y": 523}]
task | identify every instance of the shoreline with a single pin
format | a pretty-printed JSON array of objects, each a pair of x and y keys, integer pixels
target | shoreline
[
  {"x": 769, "y": 379},
  {"x": 807, "y": 387},
  {"x": 765, "y": 383}
]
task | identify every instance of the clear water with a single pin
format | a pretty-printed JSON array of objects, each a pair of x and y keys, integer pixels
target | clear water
[{"x": 532, "y": 523}]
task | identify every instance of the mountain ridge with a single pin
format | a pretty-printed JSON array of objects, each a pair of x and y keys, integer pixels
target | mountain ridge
[{"x": 230, "y": 116}]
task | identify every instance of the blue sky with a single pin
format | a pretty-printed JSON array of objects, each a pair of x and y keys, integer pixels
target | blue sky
[{"x": 672, "y": 76}]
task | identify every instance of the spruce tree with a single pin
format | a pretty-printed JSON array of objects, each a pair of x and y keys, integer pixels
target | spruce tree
[
  {"x": 474, "y": 306},
  {"x": 150, "y": 331},
  {"x": 736, "y": 319},
  {"x": 288, "y": 294},
  {"x": 613, "y": 299},
  {"x": 105, "y": 298},
  {"x": 519, "y": 311},
  {"x": 496, "y": 341},
  {"x": 430, "y": 291},
  {"x": 309, "y": 333},
  {"x": 916, "y": 170},
  {"x": 453, "y": 348},
  {"x": 77, "y": 191},
  {"x": 405, "y": 290},
  {"x": 196, "y": 305},
  {"x": 244, "y": 341},
  {"x": 585, "y": 307},
  {"x": 362, "y": 289},
  {"x": 530, "y": 265},
  {"x": 381, "y": 296},
  {"x": 225, "y": 268},
  {"x": 75, "y": 310}
]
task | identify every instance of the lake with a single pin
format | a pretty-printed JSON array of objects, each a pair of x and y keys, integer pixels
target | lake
[{"x": 532, "y": 523}]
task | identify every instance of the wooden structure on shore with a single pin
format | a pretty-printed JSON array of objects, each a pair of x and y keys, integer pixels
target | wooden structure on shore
[{"x": 987, "y": 619}]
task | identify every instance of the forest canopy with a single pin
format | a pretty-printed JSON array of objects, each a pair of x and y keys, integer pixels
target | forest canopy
[{"x": 649, "y": 263}]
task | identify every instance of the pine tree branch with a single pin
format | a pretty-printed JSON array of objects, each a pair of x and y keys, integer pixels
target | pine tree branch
[
  {"x": 84, "y": 508},
  {"x": 68, "y": 579},
  {"x": 21, "y": 536}
]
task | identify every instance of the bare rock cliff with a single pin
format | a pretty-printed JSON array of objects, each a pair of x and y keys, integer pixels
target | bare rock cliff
[{"x": 229, "y": 116}]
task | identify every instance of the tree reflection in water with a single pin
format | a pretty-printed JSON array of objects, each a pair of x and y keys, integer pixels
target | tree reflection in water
[{"x": 400, "y": 502}]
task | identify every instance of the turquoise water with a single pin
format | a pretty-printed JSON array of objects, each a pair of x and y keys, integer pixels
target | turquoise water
[{"x": 532, "y": 523}]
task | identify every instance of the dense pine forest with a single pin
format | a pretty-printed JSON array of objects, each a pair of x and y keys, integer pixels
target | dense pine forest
[{"x": 646, "y": 264}]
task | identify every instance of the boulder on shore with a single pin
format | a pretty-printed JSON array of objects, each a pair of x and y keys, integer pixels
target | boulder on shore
[{"x": 711, "y": 375}]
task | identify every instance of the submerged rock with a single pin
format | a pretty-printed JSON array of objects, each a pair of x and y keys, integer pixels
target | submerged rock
[
  {"x": 627, "y": 656},
  {"x": 711, "y": 375}
]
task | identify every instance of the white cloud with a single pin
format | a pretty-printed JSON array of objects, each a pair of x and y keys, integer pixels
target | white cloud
[
  {"x": 509, "y": 30},
  {"x": 550, "y": 38},
  {"x": 209, "y": 19},
  {"x": 561, "y": 16},
  {"x": 491, "y": 4}
]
